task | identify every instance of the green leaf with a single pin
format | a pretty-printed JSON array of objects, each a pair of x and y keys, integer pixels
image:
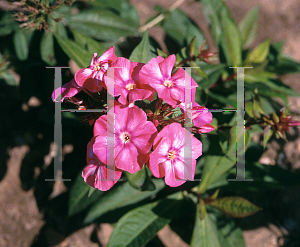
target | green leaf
[
  {"x": 214, "y": 167},
  {"x": 268, "y": 132},
  {"x": 9, "y": 78},
  {"x": 248, "y": 27},
  {"x": 202, "y": 209},
  {"x": 140, "y": 180},
  {"x": 92, "y": 45},
  {"x": 180, "y": 27},
  {"x": 235, "y": 206},
  {"x": 103, "y": 25},
  {"x": 74, "y": 51},
  {"x": 138, "y": 226},
  {"x": 21, "y": 44},
  {"x": 266, "y": 177},
  {"x": 212, "y": 10},
  {"x": 118, "y": 197},
  {"x": 274, "y": 84},
  {"x": 142, "y": 52},
  {"x": 7, "y": 24},
  {"x": 79, "y": 199},
  {"x": 213, "y": 73},
  {"x": 47, "y": 49},
  {"x": 259, "y": 53},
  {"x": 206, "y": 233},
  {"x": 231, "y": 42}
]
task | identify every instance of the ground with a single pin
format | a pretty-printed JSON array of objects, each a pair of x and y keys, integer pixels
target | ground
[{"x": 21, "y": 220}]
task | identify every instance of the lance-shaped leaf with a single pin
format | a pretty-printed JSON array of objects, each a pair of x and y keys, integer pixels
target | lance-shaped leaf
[
  {"x": 74, "y": 51},
  {"x": 259, "y": 53},
  {"x": 81, "y": 196},
  {"x": 103, "y": 25},
  {"x": 248, "y": 27},
  {"x": 231, "y": 42},
  {"x": 139, "y": 225},
  {"x": 235, "y": 206},
  {"x": 212, "y": 10},
  {"x": 120, "y": 196},
  {"x": 142, "y": 53},
  {"x": 22, "y": 41},
  {"x": 47, "y": 48},
  {"x": 205, "y": 232},
  {"x": 268, "y": 132},
  {"x": 140, "y": 180}
]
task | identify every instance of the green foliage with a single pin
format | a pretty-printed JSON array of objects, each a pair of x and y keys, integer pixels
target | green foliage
[
  {"x": 118, "y": 197},
  {"x": 139, "y": 225},
  {"x": 142, "y": 53}
]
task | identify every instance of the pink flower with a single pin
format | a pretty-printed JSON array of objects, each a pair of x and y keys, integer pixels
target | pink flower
[
  {"x": 68, "y": 90},
  {"x": 170, "y": 88},
  {"x": 134, "y": 136},
  {"x": 200, "y": 116},
  {"x": 92, "y": 77},
  {"x": 126, "y": 82},
  {"x": 96, "y": 173},
  {"x": 167, "y": 159}
]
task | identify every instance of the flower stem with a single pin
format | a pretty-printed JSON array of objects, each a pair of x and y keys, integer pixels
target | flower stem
[{"x": 160, "y": 17}]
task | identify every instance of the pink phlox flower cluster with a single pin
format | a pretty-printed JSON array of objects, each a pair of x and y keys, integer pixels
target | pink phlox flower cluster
[{"x": 127, "y": 137}]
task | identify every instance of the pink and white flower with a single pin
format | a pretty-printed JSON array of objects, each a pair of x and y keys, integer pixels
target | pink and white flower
[
  {"x": 167, "y": 159},
  {"x": 68, "y": 90},
  {"x": 91, "y": 77},
  {"x": 200, "y": 116},
  {"x": 170, "y": 88},
  {"x": 95, "y": 174},
  {"x": 126, "y": 82},
  {"x": 134, "y": 136}
]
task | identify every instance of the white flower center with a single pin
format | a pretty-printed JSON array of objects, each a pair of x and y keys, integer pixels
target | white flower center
[
  {"x": 125, "y": 137},
  {"x": 171, "y": 155},
  {"x": 168, "y": 83},
  {"x": 130, "y": 86},
  {"x": 97, "y": 67}
]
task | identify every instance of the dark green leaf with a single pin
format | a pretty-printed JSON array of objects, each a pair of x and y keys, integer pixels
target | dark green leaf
[
  {"x": 138, "y": 226},
  {"x": 213, "y": 72},
  {"x": 231, "y": 41},
  {"x": 235, "y": 206},
  {"x": 214, "y": 167},
  {"x": 206, "y": 233},
  {"x": 142, "y": 52},
  {"x": 9, "y": 78},
  {"x": 103, "y": 25},
  {"x": 7, "y": 24},
  {"x": 248, "y": 27},
  {"x": 212, "y": 10},
  {"x": 92, "y": 45},
  {"x": 79, "y": 199},
  {"x": 140, "y": 180},
  {"x": 47, "y": 49},
  {"x": 21, "y": 44},
  {"x": 74, "y": 51},
  {"x": 118, "y": 197}
]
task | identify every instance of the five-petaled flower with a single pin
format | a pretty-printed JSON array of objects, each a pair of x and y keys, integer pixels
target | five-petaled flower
[
  {"x": 134, "y": 136},
  {"x": 171, "y": 88},
  {"x": 91, "y": 77},
  {"x": 127, "y": 84},
  {"x": 168, "y": 158},
  {"x": 96, "y": 173}
]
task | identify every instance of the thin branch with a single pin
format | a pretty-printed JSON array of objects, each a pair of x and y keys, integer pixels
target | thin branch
[{"x": 160, "y": 17}]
